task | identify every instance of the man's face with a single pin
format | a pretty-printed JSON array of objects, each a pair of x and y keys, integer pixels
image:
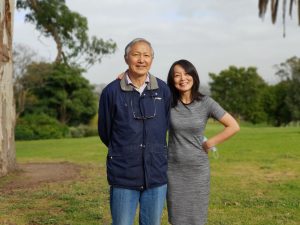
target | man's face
[{"x": 139, "y": 59}]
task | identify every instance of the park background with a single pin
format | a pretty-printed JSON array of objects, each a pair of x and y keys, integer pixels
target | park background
[{"x": 244, "y": 63}]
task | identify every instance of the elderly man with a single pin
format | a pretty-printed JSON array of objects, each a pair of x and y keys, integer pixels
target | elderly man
[{"x": 133, "y": 121}]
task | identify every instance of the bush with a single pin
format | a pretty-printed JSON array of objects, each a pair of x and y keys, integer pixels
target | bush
[
  {"x": 33, "y": 126},
  {"x": 83, "y": 131},
  {"x": 24, "y": 133}
]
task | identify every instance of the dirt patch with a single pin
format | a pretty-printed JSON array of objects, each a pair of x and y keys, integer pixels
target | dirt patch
[{"x": 33, "y": 174}]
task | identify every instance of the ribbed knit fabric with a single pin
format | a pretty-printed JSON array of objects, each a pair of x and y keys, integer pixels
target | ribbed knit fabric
[{"x": 188, "y": 165}]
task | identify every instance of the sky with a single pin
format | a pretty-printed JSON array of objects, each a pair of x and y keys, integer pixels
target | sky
[{"x": 212, "y": 34}]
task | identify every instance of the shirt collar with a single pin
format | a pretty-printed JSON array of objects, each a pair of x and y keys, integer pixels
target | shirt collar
[
  {"x": 128, "y": 81},
  {"x": 151, "y": 85}
]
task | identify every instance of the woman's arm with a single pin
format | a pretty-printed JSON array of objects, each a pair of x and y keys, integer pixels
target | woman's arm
[{"x": 230, "y": 128}]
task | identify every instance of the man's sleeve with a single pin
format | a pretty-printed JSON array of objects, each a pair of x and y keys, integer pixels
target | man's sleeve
[{"x": 105, "y": 117}]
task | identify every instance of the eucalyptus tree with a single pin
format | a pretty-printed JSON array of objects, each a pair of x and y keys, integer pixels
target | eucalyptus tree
[
  {"x": 76, "y": 52},
  {"x": 68, "y": 29},
  {"x": 7, "y": 110}
]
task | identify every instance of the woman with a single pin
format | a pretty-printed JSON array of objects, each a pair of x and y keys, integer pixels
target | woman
[{"x": 188, "y": 165}]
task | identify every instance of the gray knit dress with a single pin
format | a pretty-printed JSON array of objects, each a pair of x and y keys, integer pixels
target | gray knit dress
[{"x": 188, "y": 165}]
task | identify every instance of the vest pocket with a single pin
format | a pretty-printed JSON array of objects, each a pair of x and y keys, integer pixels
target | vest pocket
[
  {"x": 125, "y": 169},
  {"x": 115, "y": 165}
]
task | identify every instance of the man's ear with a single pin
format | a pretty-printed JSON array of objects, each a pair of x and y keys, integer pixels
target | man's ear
[{"x": 125, "y": 58}]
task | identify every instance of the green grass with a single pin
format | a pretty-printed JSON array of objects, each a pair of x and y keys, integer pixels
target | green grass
[{"x": 255, "y": 181}]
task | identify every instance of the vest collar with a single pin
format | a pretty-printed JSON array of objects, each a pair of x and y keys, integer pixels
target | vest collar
[{"x": 152, "y": 84}]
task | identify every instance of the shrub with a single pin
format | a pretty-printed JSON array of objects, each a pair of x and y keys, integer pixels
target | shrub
[
  {"x": 83, "y": 131},
  {"x": 24, "y": 133},
  {"x": 33, "y": 126}
]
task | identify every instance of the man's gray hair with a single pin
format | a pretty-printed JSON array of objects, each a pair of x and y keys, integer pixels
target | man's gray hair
[{"x": 136, "y": 40}]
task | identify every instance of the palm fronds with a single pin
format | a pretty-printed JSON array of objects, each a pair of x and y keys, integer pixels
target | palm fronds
[{"x": 263, "y": 4}]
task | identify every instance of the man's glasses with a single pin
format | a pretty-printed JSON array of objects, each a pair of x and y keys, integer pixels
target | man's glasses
[{"x": 147, "y": 108}]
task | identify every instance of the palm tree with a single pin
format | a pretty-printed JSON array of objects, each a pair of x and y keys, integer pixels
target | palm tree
[{"x": 262, "y": 6}]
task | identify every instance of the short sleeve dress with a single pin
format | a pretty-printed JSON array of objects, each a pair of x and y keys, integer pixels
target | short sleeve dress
[{"x": 188, "y": 165}]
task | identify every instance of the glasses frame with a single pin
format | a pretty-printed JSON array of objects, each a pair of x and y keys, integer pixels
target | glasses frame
[{"x": 142, "y": 117}]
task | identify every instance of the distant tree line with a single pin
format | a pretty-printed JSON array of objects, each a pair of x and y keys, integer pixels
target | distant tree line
[{"x": 248, "y": 97}]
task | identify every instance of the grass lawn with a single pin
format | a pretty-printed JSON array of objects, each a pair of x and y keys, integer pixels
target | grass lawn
[{"x": 255, "y": 181}]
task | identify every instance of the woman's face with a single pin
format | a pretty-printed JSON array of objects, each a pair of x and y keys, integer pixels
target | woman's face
[{"x": 183, "y": 81}]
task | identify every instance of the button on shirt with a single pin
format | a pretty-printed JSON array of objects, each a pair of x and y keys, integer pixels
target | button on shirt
[{"x": 141, "y": 88}]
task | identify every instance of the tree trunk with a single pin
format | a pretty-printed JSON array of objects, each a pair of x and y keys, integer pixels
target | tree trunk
[{"x": 7, "y": 108}]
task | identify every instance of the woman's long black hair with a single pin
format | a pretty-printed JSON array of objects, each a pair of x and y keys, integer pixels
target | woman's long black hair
[{"x": 189, "y": 69}]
